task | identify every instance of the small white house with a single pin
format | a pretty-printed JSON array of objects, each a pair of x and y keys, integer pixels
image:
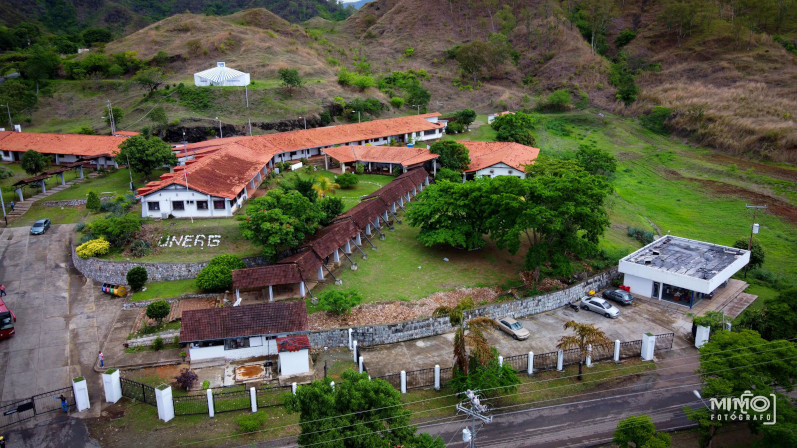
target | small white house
[
  {"x": 221, "y": 75},
  {"x": 492, "y": 159},
  {"x": 294, "y": 355},
  {"x": 680, "y": 270}
]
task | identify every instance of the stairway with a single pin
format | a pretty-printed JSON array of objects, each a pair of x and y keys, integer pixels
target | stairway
[{"x": 20, "y": 208}]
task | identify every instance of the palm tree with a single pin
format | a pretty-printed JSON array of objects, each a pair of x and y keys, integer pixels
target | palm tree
[
  {"x": 475, "y": 340},
  {"x": 324, "y": 185},
  {"x": 585, "y": 335}
]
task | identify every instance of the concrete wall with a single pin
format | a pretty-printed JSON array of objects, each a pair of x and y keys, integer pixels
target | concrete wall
[
  {"x": 639, "y": 285},
  {"x": 421, "y": 328},
  {"x": 253, "y": 351},
  {"x": 294, "y": 363},
  {"x": 116, "y": 271},
  {"x": 190, "y": 198}
]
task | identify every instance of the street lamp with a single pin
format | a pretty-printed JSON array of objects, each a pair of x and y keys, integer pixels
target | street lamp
[
  {"x": 419, "y": 108},
  {"x": 713, "y": 413},
  {"x": 221, "y": 134},
  {"x": 305, "y": 121}
]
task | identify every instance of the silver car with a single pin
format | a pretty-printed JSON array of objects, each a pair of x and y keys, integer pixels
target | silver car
[
  {"x": 513, "y": 328},
  {"x": 600, "y": 306}
]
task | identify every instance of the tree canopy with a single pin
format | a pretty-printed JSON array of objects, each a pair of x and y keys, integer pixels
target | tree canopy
[
  {"x": 453, "y": 155},
  {"x": 33, "y": 162},
  {"x": 585, "y": 335},
  {"x": 280, "y": 220},
  {"x": 150, "y": 78},
  {"x": 515, "y": 127},
  {"x": 449, "y": 213},
  {"x": 356, "y": 413},
  {"x": 144, "y": 156},
  {"x": 638, "y": 431},
  {"x": 777, "y": 319},
  {"x": 290, "y": 78},
  {"x": 756, "y": 252},
  {"x": 596, "y": 161}
]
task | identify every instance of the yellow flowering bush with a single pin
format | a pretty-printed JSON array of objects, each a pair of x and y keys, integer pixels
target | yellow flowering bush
[{"x": 93, "y": 248}]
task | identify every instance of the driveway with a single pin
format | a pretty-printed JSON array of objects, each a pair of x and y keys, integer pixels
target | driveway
[
  {"x": 62, "y": 318},
  {"x": 546, "y": 329}
]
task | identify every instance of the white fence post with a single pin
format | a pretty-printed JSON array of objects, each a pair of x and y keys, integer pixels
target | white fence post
[
  {"x": 702, "y": 335},
  {"x": 354, "y": 350},
  {"x": 589, "y": 355},
  {"x": 81, "y": 390},
  {"x": 500, "y": 361},
  {"x": 616, "y": 350},
  {"x": 350, "y": 340},
  {"x": 403, "y": 382},
  {"x": 560, "y": 360},
  {"x": 648, "y": 346},
  {"x": 332, "y": 385},
  {"x": 436, "y": 377},
  {"x": 163, "y": 399},
  {"x": 360, "y": 362},
  {"x": 112, "y": 384},
  {"x": 253, "y": 398},
  {"x": 294, "y": 387},
  {"x": 211, "y": 411},
  {"x": 531, "y": 363}
]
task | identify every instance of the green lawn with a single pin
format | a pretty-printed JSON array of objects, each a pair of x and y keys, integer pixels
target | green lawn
[
  {"x": 392, "y": 271},
  {"x": 351, "y": 197},
  {"x": 9, "y": 193},
  {"x": 166, "y": 290},
  {"x": 111, "y": 184}
]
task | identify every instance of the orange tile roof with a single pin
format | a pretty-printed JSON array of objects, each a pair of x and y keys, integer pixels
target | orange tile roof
[
  {"x": 126, "y": 134},
  {"x": 486, "y": 154},
  {"x": 66, "y": 144},
  {"x": 403, "y": 156}
]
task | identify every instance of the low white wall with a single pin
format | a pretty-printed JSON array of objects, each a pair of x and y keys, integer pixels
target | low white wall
[
  {"x": 639, "y": 285},
  {"x": 294, "y": 363},
  {"x": 501, "y": 169}
]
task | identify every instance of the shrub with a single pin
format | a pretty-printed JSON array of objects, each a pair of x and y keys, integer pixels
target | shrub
[
  {"x": 186, "y": 379},
  {"x": 5, "y": 172},
  {"x": 447, "y": 174},
  {"x": 558, "y": 101},
  {"x": 158, "y": 344},
  {"x": 339, "y": 302},
  {"x": 93, "y": 248},
  {"x": 656, "y": 120},
  {"x": 624, "y": 38},
  {"x": 332, "y": 206},
  {"x": 217, "y": 275},
  {"x": 455, "y": 127},
  {"x": 93, "y": 201},
  {"x": 359, "y": 169},
  {"x": 397, "y": 102},
  {"x": 347, "y": 180},
  {"x": 205, "y": 384},
  {"x": 248, "y": 423},
  {"x": 643, "y": 236},
  {"x": 137, "y": 278},
  {"x": 140, "y": 248},
  {"x": 117, "y": 230},
  {"x": 158, "y": 310},
  {"x": 79, "y": 227}
]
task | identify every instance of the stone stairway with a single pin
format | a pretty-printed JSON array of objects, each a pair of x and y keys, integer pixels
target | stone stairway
[{"x": 20, "y": 208}]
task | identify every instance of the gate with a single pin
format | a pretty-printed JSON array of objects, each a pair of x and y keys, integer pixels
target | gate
[
  {"x": 22, "y": 410},
  {"x": 664, "y": 341},
  {"x": 138, "y": 391}
]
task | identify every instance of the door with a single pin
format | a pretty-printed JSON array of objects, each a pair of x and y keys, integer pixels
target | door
[{"x": 656, "y": 288}]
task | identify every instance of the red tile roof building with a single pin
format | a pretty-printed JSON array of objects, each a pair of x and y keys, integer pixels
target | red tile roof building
[
  {"x": 499, "y": 158},
  {"x": 276, "y": 318}
]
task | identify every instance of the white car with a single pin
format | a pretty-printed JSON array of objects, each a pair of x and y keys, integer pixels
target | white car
[{"x": 600, "y": 306}]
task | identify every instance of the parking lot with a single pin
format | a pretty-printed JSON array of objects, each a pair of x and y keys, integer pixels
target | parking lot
[{"x": 546, "y": 329}]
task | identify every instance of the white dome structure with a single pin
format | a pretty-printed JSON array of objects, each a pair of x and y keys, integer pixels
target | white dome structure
[{"x": 221, "y": 75}]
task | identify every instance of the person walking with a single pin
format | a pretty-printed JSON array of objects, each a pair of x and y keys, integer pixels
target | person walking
[
  {"x": 64, "y": 404},
  {"x": 12, "y": 205},
  {"x": 2, "y": 290},
  {"x": 100, "y": 357}
]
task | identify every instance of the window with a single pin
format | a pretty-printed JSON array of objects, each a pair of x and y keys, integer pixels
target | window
[
  {"x": 178, "y": 205},
  {"x": 232, "y": 344},
  {"x": 154, "y": 206},
  {"x": 293, "y": 154},
  {"x": 7, "y": 154},
  {"x": 201, "y": 205},
  {"x": 219, "y": 205}
]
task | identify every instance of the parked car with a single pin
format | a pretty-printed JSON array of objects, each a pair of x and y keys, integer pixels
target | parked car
[
  {"x": 600, "y": 306},
  {"x": 619, "y": 296},
  {"x": 40, "y": 226},
  {"x": 513, "y": 328}
]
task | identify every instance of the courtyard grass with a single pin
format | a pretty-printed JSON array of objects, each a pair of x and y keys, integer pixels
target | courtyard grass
[
  {"x": 368, "y": 184},
  {"x": 57, "y": 215},
  {"x": 116, "y": 182},
  {"x": 166, "y": 290}
]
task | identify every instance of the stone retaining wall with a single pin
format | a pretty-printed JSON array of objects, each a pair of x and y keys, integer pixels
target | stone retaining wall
[
  {"x": 115, "y": 272},
  {"x": 143, "y": 303},
  {"x": 71, "y": 202},
  {"x": 421, "y": 328},
  {"x": 146, "y": 341}
]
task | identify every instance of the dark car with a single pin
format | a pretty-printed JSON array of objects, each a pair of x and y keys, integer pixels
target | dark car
[
  {"x": 40, "y": 226},
  {"x": 619, "y": 296}
]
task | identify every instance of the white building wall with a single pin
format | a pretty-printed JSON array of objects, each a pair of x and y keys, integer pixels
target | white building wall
[
  {"x": 166, "y": 197},
  {"x": 202, "y": 353},
  {"x": 639, "y": 285},
  {"x": 501, "y": 169},
  {"x": 7, "y": 156},
  {"x": 294, "y": 363},
  {"x": 258, "y": 346}
]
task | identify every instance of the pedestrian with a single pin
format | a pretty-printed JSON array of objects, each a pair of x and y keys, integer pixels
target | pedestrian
[
  {"x": 2, "y": 290},
  {"x": 2, "y": 442},
  {"x": 64, "y": 404},
  {"x": 102, "y": 363},
  {"x": 12, "y": 206}
]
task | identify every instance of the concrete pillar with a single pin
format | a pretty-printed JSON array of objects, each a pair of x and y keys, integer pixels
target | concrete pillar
[
  {"x": 163, "y": 399},
  {"x": 321, "y": 273},
  {"x": 702, "y": 335},
  {"x": 560, "y": 360},
  {"x": 81, "y": 390},
  {"x": 368, "y": 229},
  {"x": 326, "y": 162},
  {"x": 342, "y": 168},
  {"x": 358, "y": 240},
  {"x": 302, "y": 291},
  {"x": 294, "y": 388},
  {"x": 500, "y": 361},
  {"x": 648, "y": 346},
  {"x": 436, "y": 377},
  {"x": 336, "y": 256},
  {"x": 347, "y": 247},
  {"x": 270, "y": 293},
  {"x": 391, "y": 168},
  {"x": 115, "y": 165},
  {"x": 81, "y": 171},
  {"x": 354, "y": 350},
  {"x": 350, "y": 339},
  {"x": 617, "y": 350},
  {"x": 403, "y": 382},
  {"x": 57, "y": 162},
  {"x": 332, "y": 385},
  {"x": 463, "y": 178},
  {"x": 530, "y": 367},
  {"x": 44, "y": 190},
  {"x": 19, "y": 193},
  {"x": 253, "y": 398},
  {"x": 661, "y": 290},
  {"x": 112, "y": 385},
  {"x": 360, "y": 363},
  {"x": 589, "y": 355},
  {"x": 404, "y": 169},
  {"x": 61, "y": 175},
  {"x": 211, "y": 410}
]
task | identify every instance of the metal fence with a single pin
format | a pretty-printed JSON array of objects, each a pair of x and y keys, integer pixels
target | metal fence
[
  {"x": 28, "y": 408},
  {"x": 268, "y": 396},
  {"x": 545, "y": 361},
  {"x": 393, "y": 378},
  {"x": 629, "y": 349},
  {"x": 231, "y": 401},
  {"x": 518, "y": 362},
  {"x": 602, "y": 352},
  {"x": 138, "y": 391},
  {"x": 446, "y": 374},
  {"x": 664, "y": 341},
  {"x": 190, "y": 404},
  {"x": 417, "y": 379}
]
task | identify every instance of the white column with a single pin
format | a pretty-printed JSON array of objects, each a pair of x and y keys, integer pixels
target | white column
[
  {"x": 354, "y": 350},
  {"x": 617, "y": 350},
  {"x": 270, "y": 293},
  {"x": 368, "y": 229},
  {"x": 360, "y": 363},
  {"x": 560, "y": 360},
  {"x": 358, "y": 240},
  {"x": 530, "y": 367},
  {"x": 81, "y": 390},
  {"x": 112, "y": 385},
  {"x": 302, "y": 291},
  {"x": 648, "y": 346},
  {"x": 163, "y": 399},
  {"x": 347, "y": 247},
  {"x": 63, "y": 182},
  {"x": 436, "y": 377},
  {"x": 403, "y": 382},
  {"x": 253, "y": 398},
  {"x": 702, "y": 335},
  {"x": 332, "y": 385},
  {"x": 350, "y": 339},
  {"x": 336, "y": 256},
  {"x": 321, "y": 273},
  {"x": 211, "y": 411},
  {"x": 500, "y": 361},
  {"x": 81, "y": 172},
  {"x": 294, "y": 388},
  {"x": 589, "y": 355}
]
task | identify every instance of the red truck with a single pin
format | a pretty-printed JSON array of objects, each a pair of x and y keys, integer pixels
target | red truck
[{"x": 7, "y": 319}]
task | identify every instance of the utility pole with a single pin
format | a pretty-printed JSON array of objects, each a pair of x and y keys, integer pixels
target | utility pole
[
  {"x": 753, "y": 229},
  {"x": 476, "y": 411},
  {"x": 110, "y": 118},
  {"x": 10, "y": 123},
  {"x": 221, "y": 134},
  {"x": 419, "y": 108}
]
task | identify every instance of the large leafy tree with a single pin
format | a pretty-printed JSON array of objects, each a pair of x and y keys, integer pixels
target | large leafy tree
[
  {"x": 290, "y": 79},
  {"x": 777, "y": 319},
  {"x": 638, "y": 431},
  {"x": 734, "y": 362},
  {"x": 450, "y": 213},
  {"x": 465, "y": 117},
  {"x": 144, "y": 156},
  {"x": 586, "y": 335},
  {"x": 150, "y": 78},
  {"x": 596, "y": 160},
  {"x": 515, "y": 127},
  {"x": 453, "y": 155},
  {"x": 33, "y": 162},
  {"x": 280, "y": 220},
  {"x": 756, "y": 252},
  {"x": 356, "y": 413}
]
